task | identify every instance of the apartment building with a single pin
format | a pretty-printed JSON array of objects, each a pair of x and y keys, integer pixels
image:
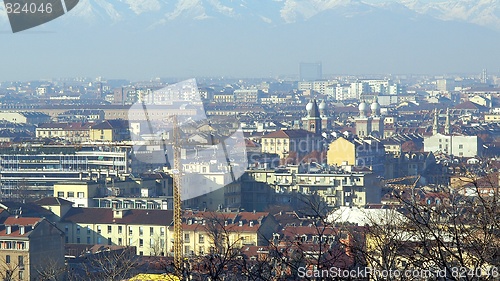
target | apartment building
[
  {"x": 342, "y": 186},
  {"x": 239, "y": 228},
  {"x": 73, "y": 132},
  {"x": 144, "y": 229},
  {"x": 29, "y": 246}
]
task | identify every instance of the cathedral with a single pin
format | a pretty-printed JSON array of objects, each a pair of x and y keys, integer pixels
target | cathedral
[
  {"x": 316, "y": 119},
  {"x": 372, "y": 124}
]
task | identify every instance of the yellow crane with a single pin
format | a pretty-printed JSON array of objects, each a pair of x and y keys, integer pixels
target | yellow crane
[{"x": 176, "y": 175}]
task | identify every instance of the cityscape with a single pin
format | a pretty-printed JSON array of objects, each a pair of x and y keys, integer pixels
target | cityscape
[
  {"x": 283, "y": 140},
  {"x": 313, "y": 177}
]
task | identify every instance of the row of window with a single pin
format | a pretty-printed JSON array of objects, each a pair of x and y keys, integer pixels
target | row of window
[
  {"x": 119, "y": 242},
  {"x": 20, "y": 261},
  {"x": 13, "y": 245},
  {"x": 70, "y": 194},
  {"x": 120, "y": 230}
]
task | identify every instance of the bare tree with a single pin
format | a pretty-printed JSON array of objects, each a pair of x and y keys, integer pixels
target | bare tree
[
  {"x": 111, "y": 265},
  {"x": 11, "y": 265},
  {"x": 51, "y": 270},
  {"x": 225, "y": 259}
]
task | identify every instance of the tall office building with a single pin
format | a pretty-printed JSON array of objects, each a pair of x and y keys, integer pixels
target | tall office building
[{"x": 310, "y": 71}]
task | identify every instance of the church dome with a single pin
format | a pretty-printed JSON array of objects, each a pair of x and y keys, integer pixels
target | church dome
[
  {"x": 375, "y": 107},
  {"x": 309, "y": 106},
  {"x": 322, "y": 105},
  {"x": 363, "y": 107}
]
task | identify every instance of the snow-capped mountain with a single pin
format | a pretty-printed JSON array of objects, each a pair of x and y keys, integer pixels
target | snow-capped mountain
[
  {"x": 480, "y": 12},
  {"x": 485, "y": 13}
]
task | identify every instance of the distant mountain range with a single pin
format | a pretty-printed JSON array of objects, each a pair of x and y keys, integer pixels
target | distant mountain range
[
  {"x": 264, "y": 37},
  {"x": 156, "y": 12}
]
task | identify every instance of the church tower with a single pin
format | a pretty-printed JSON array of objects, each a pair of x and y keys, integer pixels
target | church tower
[
  {"x": 323, "y": 113},
  {"x": 312, "y": 122},
  {"x": 435, "y": 127},
  {"x": 377, "y": 119},
  {"x": 363, "y": 123},
  {"x": 447, "y": 124}
]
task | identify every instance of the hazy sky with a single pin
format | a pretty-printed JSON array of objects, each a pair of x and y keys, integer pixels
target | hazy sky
[{"x": 347, "y": 42}]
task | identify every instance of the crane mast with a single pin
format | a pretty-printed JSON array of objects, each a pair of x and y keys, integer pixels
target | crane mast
[{"x": 177, "y": 169}]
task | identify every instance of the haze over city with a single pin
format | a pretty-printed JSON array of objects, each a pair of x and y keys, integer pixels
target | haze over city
[{"x": 121, "y": 39}]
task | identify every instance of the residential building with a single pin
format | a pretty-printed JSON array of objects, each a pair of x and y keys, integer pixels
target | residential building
[
  {"x": 283, "y": 142},
  {"x": 241, "y": 228},
  {"x": 73, "y": 132},
  {"x": 248, "y": 95},
  {"x": 450, "y": 143},
  {"x": 358, "y": 153},
  {"x": 342, "y": 186},
  {"x": 110, "y": 131},
  {"x": 25, "y": 117},
  {"x": 147, "y": 230},
  {"x": 30, "y": 246},
  {"x": 456, "y": 145}
]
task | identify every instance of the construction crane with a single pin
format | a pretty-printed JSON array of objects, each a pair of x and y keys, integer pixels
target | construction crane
[
  {"x": 176, "y": 175},
  {"x": 177, "y": 169}
]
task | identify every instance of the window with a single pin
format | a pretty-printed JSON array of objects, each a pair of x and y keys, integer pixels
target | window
[
  {"x": 80, "y": 194},
  {"x": 460, "y": 146},
  {"x": 151, "y": 242},
  {"x": 201, "y": 238},
  {"x": 109, "y": 229},
  {"x": 120, "y": 241},
  {"x": 151, "y": 231},
  {"x": 130, "y": 232},
  {"x": 20, "y": 260},
  {"x": 71, "y": 194},
  {"x": 78, "y": 240},
  {"x": 60, "y": 194},
  {"x": 88, "y": 240},
  {"x": 141, "y": 242},
  {"x": 99, "y": 229},
  {"x": 186, "y": 238},
  {"x": 99, "y": 240},
  {"x": 88, "y": 229},
  {"x": 109, "y": 241},
  {"x": 141, "y": 230},
  {"x": 21, "y": 275},
  {"x": 119, "y": 229},
  {"x": 7, "y": 259},
  {"x": 78, "y": 229},
  {"x": 66, "y": 229},
  {"x": 162, "y": 231}
]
